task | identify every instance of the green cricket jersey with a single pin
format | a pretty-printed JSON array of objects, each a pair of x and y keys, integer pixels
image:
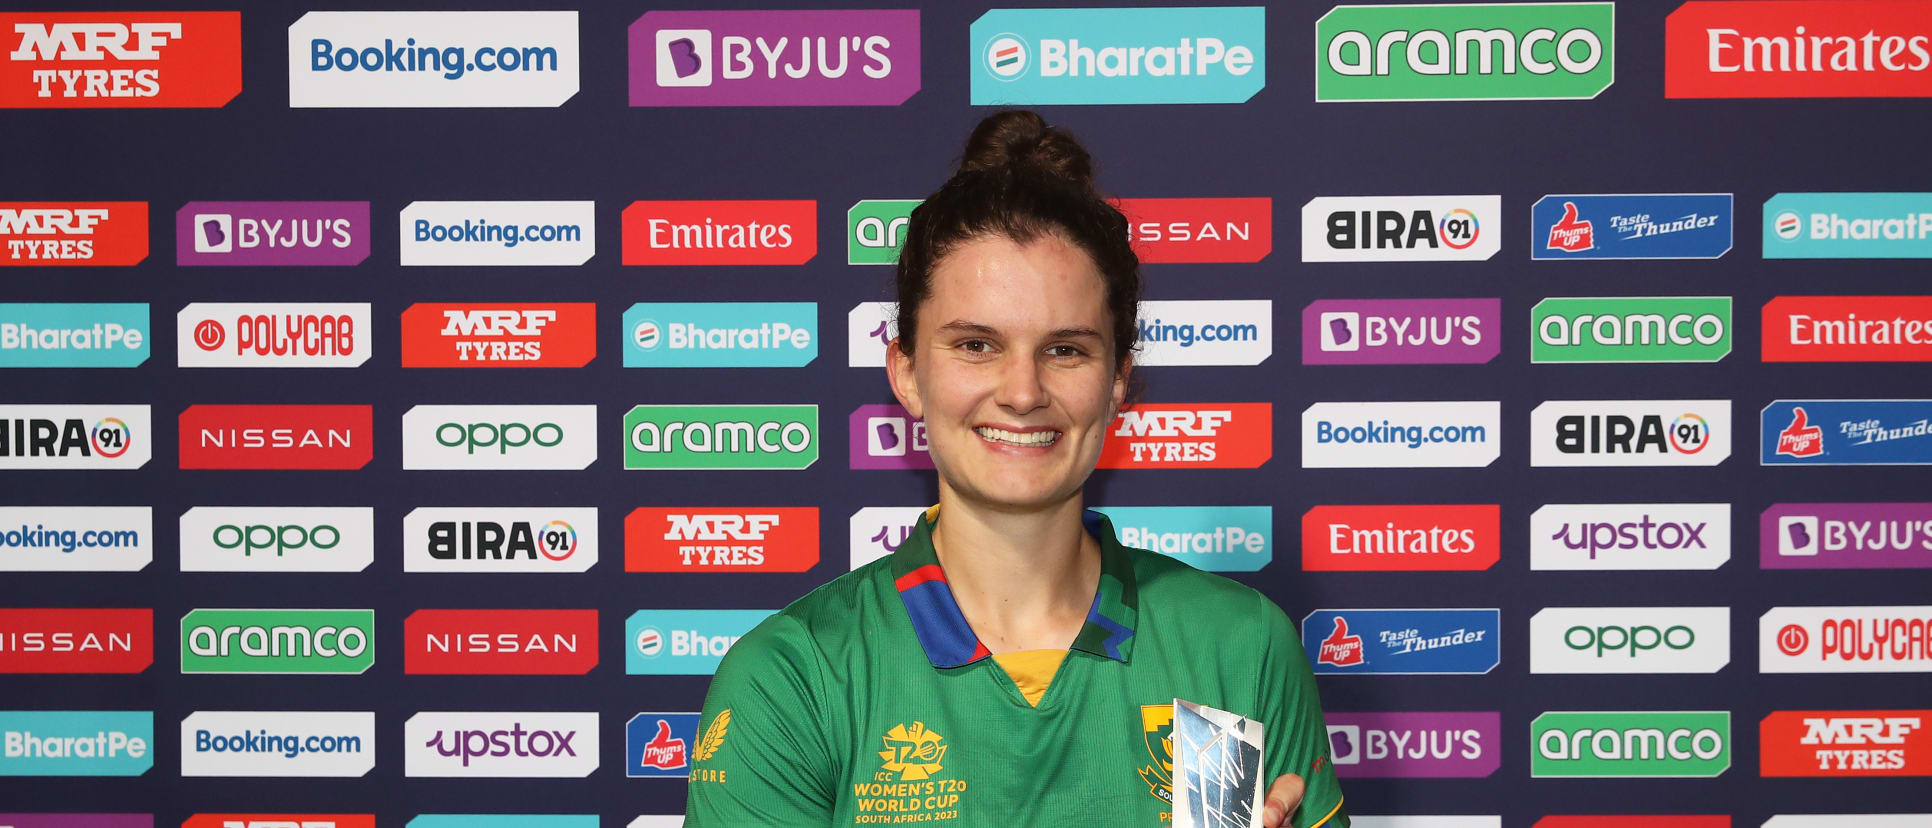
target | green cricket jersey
[{"x": 870, "y": 701}]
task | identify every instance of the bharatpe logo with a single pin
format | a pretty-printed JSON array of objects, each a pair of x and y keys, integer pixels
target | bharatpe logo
[
  {"x": 1845, "y": 640},
  {"x": 272, "y": 335},
  {"x": 278, "y": 641},
  {"x": 94, "y": 60},
  {"x": 522, "y": 437},
  {"x": 278, "y": 539},
  {"x": 1819, "y": 49},
  {"x": 1631, "y": 329},
  {"x": 271, "y": 233},
  {"x": 720, "y": 334},
  {"x": 1848, "y": 226},
  {"x": 1692, "y": 744},
  {"x": 1403, "y": 641},
  {"x": 886, "y": 436},
  {"x": 1401, "y": 331},
  {"x": 720, "y": 232},
  {"x": 1660, "y": 226},
  {"x": 1211, "y": 538},
  {"x": 875, "y": 230},
  {"x": 697, "y": 437},
  {"x": 683, "y": 642},
  {"x": 76, "y": 538},
  {"x": 1473, "y": 52},
  {"x": 774, "y": 58},
  {"x": 1339, "y": 435},
  {"x": 877, "y": 531},
  {"x": 1846, "y": 536},
  {"x": 73, "y": 334},
  {"x": 1415, "y": 745},
  {"x": 75, "y": 436},
  {"x": 254, "y": 743},
  {"x": 1401, "y": 538},
  {"x": 499, "y": 335},
  {"x": 74, "y": 233},
  {"x": 1200, "y": 229},
  {"x": 1190, "y": 436},
  {"x": 500, "y": 642},
  {"x": 1630, "y": 536},
  {"x": 1847, "y": 329},
  {"x": 660, "y": 745},
  {"x": 1630, "y": 433},
  {"x": 500, "y": 540},
  {"x": 76, "y": 742},
  {"x": 498, "y": 233},
  {"x": 517, "y": 744},
  {"x": 76, "y": 641},
  {"x": 1846, "y": 433},
  {"x": 1118, "y": 56},
  {"x": 275, "y": 437},
  {"x": 1206, "y": 332},
  {"x": 393, "y": 59},
  {"x": 1401, "y": 228},
  {"x": 704, "y": 539},
  {"x": 1599, "y": 640},
  {"x": 1840, "y": 743}
]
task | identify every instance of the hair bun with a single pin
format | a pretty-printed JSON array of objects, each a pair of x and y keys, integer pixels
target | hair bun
[{"x": 1019, "y": 140}]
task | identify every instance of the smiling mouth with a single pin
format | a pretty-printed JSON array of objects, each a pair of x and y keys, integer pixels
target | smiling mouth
[{"x": 1017, "y": 438}]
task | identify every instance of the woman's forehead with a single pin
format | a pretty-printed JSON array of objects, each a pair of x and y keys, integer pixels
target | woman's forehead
[{"x": 1044, "y": 284}]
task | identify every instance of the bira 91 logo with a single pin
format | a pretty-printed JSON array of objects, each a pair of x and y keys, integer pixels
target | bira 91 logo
[
  {"x": 1682, "y": 744},
  {"x": 660, "y": 745},
  {"x": 1848, "y": 226},
  {"x": 272, "y": 335},
  {"x": 1415, "y": 745},
  {"x": 524, "y": 437},
  {"x": 1403, "y": 641},
  {"x": 509, "y": 744},
  {"x": 499, "y": 642},
  {"x": 285, "y": 539},
  {"x": 1401, "y": 538},
  {"x": 76, "y": 742},
  {"x": 1837, "y": 743},
  {"x": 277, "y": 821},
  {"x": 75, "y": 436},
  {"x": 1845, "y": 640},
  {"x": 1598, "y": 640},
  {"x": 877, "y": 531},
  {"x": 1805, "y": 49},
  {"x": 1631, "y": 329},
  {"x": 75, "y": 641},
  {"x": 1472, "y": 52},
  {"x": 76, "y": 538},
  {"x": 73, "y": 334},
  {"x": 1848, "y": 329},
  {"x": 684, "y": 642},
  {"x": 90, "y": 60},
  {"x": 1846, "y": 536},
  {"x": 720, "y": 334},
  {"x": 74, "y": 233},
  {"x": 271, "y": 233},
  {"x": 1200, "y": 229},
  {"x": 659, "y": 539},
  {"x": 432, "y": 59},
  {"x": 1846, "y": 433},
  {"x": 1356, "y": 435},
  {"x": 1401, "y": 331},
  {"x": 1213, "y": 538},
  {"x": 276, "y": 436},
  {"x": 500, "y": 540},
  {"x": 693, "y": 437},
  {"x": 1465, "y": 228},
  {"x": 278, "y": 641},
  {"x": 720, "y": 232},
  {"x": 774, "y": 58},
  {"x": 1190, "y": 436},
  {"x": 1630, "y": 433},
  {"x": 278, "y": 743},
  {"x": 499, "y": 335},
  {"x": 1630, "y": 536},
  {"x": 1657, "y": 226},
  {"x": 1118, "y": 56}
]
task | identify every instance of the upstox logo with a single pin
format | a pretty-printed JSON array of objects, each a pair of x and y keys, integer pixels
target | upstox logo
[
  {"x": 432, "y": 59},
  {"x": 278, "y": 641},
  {"x": 73, "y": 335},
  {"x": 721, "y": 437},
  {"x": 1631, "y": 329},
  {"x": 1214, "y": 538},
  {"x": 1469, "y": 52},
  {"x": 720, "y": 334},
  {"x": 683, "y": 642},
  {"x": 1118, "y": 56},
  {"x": 76, "y": 742},
  {"x": 1848, "y": 226},
  {"x": 875, "y": 229},
  {"x": 1630, "y": 744}
]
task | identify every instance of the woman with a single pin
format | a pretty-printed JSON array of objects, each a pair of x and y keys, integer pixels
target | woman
[{"x": 1011, "y": 663}]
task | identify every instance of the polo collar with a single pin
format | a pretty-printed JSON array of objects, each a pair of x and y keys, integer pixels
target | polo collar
[{"x": 950, "y": 642}]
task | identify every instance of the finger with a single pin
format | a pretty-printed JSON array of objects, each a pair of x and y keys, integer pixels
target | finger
[{"x": 1283, "y": 797}]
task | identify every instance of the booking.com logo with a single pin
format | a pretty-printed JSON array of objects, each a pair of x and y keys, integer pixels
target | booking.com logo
[
  {"x": 1413, "y": 436},
  {"x": 508, "y": 235},
  {"x": 1185, "y": 335}
]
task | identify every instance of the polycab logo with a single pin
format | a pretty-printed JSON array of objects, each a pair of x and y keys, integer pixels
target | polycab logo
[
  {"x": 73, "y": 233},
  {"x": 76, "y": 742},
  {"x": 500, "y": 437},
  {"x": 1630, "y": 433},
  {"x": 498, "y": 233},
  {"x": 277, "y": 821},
  {"x": 276, "y": 436},
  {"x": 1206, "y": 332},
  {"x": 1631, "y": 329},
  {"x": 720, "y": 232},
  {"x": 285, "y": 539},
  {"x": 511, "y": 744},
  {"x": 500, "y": 642},
  {"x": 76, "y": 538},
  {"x": 690, "y": 437},
  {"x": 1118, "y": 56},
  {"x": 1846, "y": 536},
  {"x": 684, "y": 642},
  {"x": 272, "y": 335},
  {"x": 660, "y": 745},
  {"x": 433, "y": 59},
  {"x": 1190, "y": 436},
  {"x": 734, "y": 58},
  {"x": 658, "y": 539},
  {"x": 1845, "y": 433},
  {"x": 1401, "y": 538},
  {"x": 1465, "y": 228},
  {"x": 877, "y": 531},
  {"x": 1845, "y": 743},
  {"x": 1415, "y": 745},
  {"x": 75, "y": 641},
  {"x": 500, "y": 540},
  {"x": 875, "y": 229},
  {"x": 1676, "y": 744},
  {"x": 1828, "y": 49},
  {"x": 1847, "y": 329},
  {"x": 886, "y": 436},
  {"x": 1654, "y": 226},
  {"x": 278, "y": 641},
  {"x": 1845, "y": 640},
  {"x": 499, "y": 335},
  {"x": 272, "y": 233},
  {"x": 1211, "y": 538},
  {"x": 90, "y": 60},
  {"x": 1848, "y": 226},
  {"x": 1401, "y": 331},
  {"x": 1200, "y": 229},
  {"x": 73, "y": 334},
  {"x": 1337, "y": 435},
  {"x": 75, "y": 436},
  {"x": 1630, "y": 536},
  {"x": 720, "y": 334},
  {"x": 259, "y": 743},
  {"x": 1465, "y": 52},
  {"x": 1598, "y": 640},
  {"x": 1403, "y": 641}
]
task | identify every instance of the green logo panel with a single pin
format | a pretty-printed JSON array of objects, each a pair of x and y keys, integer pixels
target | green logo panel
[
  {"x": 1662, "y": 744},
  {"x": 1631, "y": 329},
  {"x": 279, "y": 641},
  {"x": 875, "y": 229},
  {"x": 1522, "y": 51},
  {"x": 721, "y": 437}
]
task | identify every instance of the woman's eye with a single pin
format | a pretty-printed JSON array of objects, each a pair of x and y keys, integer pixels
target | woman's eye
[
  {"x": 976, "y": 346},
  {"x": 1064, "y": 351}
]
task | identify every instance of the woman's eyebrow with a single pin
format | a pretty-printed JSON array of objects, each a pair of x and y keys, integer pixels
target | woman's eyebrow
[
  {"x": 964, "y": 326},
  {"x": 1076, "y": 333}
]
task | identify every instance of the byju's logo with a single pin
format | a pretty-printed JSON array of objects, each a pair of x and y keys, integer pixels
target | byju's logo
[
  {"x": 499, "y": 642},
  {"x": 1637, "y": 744},
  {"x": 1403, "y": 641},
  {"x": 720, "y": 334},
  {"x": 774, "y": 58},
  {"x": 1401, "y": 331},
  {"x": 720, "y": 232},
  {"x": 877, "y": 531},
  {"x": 683, "y": 642},
  {"x": 1200, "y": 229},
  {"x": 1848, "y": 226},
  {"x": 271, "y": 233},
  {"x": 76, "y": 742},
  {"x": 1401, "y": 228},
  {"x": 510, "y": 744},
  {"x": 433, "y": 59},
  {"x": 73, "y": 233},
  {"x": 1846, "y": 433},
  {"x": 73, "y": 335},
  {"x": 1472, "y": 52},
  {"x": 278, "y": 743},
  {"x": 1845, "y": 640},
  {"x": 278, "y": 641},
  {"x": 276, "y": 437},
  {"x": 500, "y": 437},
  {"x": 272, "y": 335},
  {"x": 699, "y": 539},
  {"x": 1401, "y": 538},
  {"x": 660, "y": 745},
  {"x": 75, "y": 436},
  {"x": 494, "y": 233},
  {"x": 1846, "y": 536},
  {"x": 1630, "y": 433},
  {"x": 1662, "y": 226},
  {"x": 886, "y": 436},
  {"x": 1118, "y": 56},
  {"x": 90, "y": 60},
  {"x": 1631, "y": 329},
  {"x": 1336, "y": 435},
  {"x": 1845, "y": 743},
  {"x": 1206, "y": 332},
  {"x": 278, "y": 539},
  {"x": 76, "y": 538},
  {"x": 1190, "y": 436},
  {"x": 1415, "y": 745},
  {"x": 1630, "y": 536},
  {"x": 721, "y": 437},
  {"x": 1597, "y": 640},
  {"x": 1819, "y": 49},
  {"x": 875, "y": 229},
  {"x": 499, "y": 335},
  {"x": 1213, "y": 538},
  {"x": 76, "y": 641},
  {"x": 1847, "y": 329},
  {"x": 505, "y": 540}
]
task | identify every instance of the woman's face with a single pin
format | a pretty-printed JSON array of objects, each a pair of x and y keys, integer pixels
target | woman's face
[{"x": 1013, "y": 370}]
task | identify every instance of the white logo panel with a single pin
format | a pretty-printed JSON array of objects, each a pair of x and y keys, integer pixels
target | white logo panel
[
  {"x": 1466, "y": 228},
  {"x": 498, "y": 233},
  {"x": 489, "y": 59},
  {"x": 277, "y": 743},
  {"x": 76, "y": 538},
  {"x": 1598, "y": 640},
  {"x": 512, "y": 744},
  {"x": 272, "y": 335},
  {"x": 1630, "y": 536},
  {"x": 1356, "y": 435},
  {"x": 507, "y": 540},
  {"x": 500, "y": 437},
  {"x": 1630, "y": 433},
  {"x": 278, "y": 539}
]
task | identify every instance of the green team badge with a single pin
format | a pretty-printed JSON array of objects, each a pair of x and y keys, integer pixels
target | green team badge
[
  {"x": 1631, "y": 329},
  {"x": 1661, "y": 744},
  {"x": 1483, "y": 52},
  {"x": 278, "y": 641},
  {"x": 721, "y": 437},
  {"x": 875, "y": 229}
]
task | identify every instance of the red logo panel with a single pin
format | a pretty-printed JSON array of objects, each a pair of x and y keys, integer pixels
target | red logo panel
[
  {"x": 1799, "y": 49},
  {"x": 1845, "y": 743},
  {"x": 1190, "y": 436},
  {"x": 276, "y": 437},
  {"x": 84, "y": 60},
  {"x": 76, "y": 640},
  {"x": 720, "y": 232},
  {"x": 1200, "y": 229},
  {"x": 280, "y": 821},
  {"x": 1848, "y": 329},
  {"x": 499, "y": 335},
  {"x": 1401, "y": 538},
  {"x": 500, "y": 642},
  {"x": 721, "y": 540},
  {"x": 73, "y": 233}
]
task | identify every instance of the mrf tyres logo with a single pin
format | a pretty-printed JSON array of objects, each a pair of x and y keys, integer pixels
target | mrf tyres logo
[
  {"x": 500, "y": 540},
  {"x": 1808, "y": 49},
  {"x": 1118, "y": 56},
  {"x": 520, "y": 437},
  {"x": 278, "y": 539},
  {"x": 720, "y": 232},
  {"x": 1190, "y": 436},
  {"x": 1630, "y": 536},
  {"x": 1469, "y": 52},
  {"x": 1847, "y": 329},
  {"x": 1415, "y": 745},
  {"x": 498, "y": 233},
  {"x": 272, "y": 335},
  {"x": 1338, "y": 435},
  {"x": 1846, "y": 433},
  {"x": 275, "y": 437},
  {"x": 1401, "y": 538},
  {"x": 271, "y": 233},
  {"x": 278, "y": 641},
  {"x": 1631, "y": 329},
  {"x": 774, "y": 58},
  {"x": 1659, "y": 226},
  {"x": 1846, "y": 536},
  {"x": 1599, "y": 640},
  {"x": 92, "y": 60},
  {"x": 1845, "y": 640},
  {"x": 1841, "y": 743},
  {"x": 432, "y": 59},
  {"x": 1630, "y": 433},
  {"x": 1403, "y": 641},
  {"x": 73, "y": 334},
  {"x": 1401, "y": 331},
  {"x": 1848, "y": 226},
  {"x": 1670, "y": 744},
  {"x": 499, "y": 335},
  {"x": 73, "y": 233},
  {"x": 509, "y": 744},
  {"x": 75, "y": 436},
  {"x": 684, "y": 642},
  {"x": 1466, "y": 228},
  {"x": 694, "y": 437},
  {"x": 700, "y": 539},
  {"x": 280, "y": 743},
  {"x": 498, "y": 642}
]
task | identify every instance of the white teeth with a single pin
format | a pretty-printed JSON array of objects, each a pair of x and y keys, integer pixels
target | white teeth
[{"x": 1030, "y": 438}]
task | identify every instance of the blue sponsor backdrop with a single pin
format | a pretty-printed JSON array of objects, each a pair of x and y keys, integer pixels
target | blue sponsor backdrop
[
  {"x": 1846, "y": 433},
  {"x": 1403, "y": 642},
  {"x": 1673, "y": 226}
]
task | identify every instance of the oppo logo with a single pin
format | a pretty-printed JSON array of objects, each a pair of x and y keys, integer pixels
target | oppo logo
[
  {"x": 500, "y": 437},
  {"x": 279, "y": 539},
  {"x": 1629, "y": 640},
  {"x": 1584, "y": 640}
]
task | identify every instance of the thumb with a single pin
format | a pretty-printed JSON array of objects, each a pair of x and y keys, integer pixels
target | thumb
[
  {"x": 1798, "y": 418},
  {"x": 1569, "y": 213},
  {"x": 1283, "y": 797}
]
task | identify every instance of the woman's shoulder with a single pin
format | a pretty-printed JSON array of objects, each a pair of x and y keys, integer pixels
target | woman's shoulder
[{"x": 821, "y": 618}]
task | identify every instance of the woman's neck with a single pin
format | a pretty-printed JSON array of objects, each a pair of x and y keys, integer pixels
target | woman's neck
[{"x": 1023, "y": 579}]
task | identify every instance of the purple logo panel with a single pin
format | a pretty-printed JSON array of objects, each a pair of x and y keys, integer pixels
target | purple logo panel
[
  {"x": 886, "y": 437},
  {"x": 1415, "y": 745},
  {"x": 77, "y": 820},
  {"x": 257, "y": 233},
  {"x": 1846, "y": 536},
  {"x": 1401, "y": 331},
  {"x": 774, "y": 58}
]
